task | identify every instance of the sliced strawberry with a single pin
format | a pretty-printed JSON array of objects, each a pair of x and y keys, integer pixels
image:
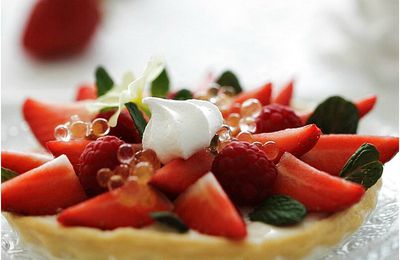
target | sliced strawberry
[
  {"x": 263, "y": 95},
  {"x": 205, "y": 207},
  {"x": 44, "y": 190},
  {"x": 21, "y": 162},
  {"x": 86, "y": 92},
  {"x": 317, "y": 190},
  {"x": 60, "y": 27},
  {"x": 285, "y": 95},
  {"x": 364, "y": 106},
  {"x": 331, "y": 152},
  {"x": 296, "y": 141},
  {"x": 72, "y": 149},
  {"x": 176, "y": 176},
  {"x": 44, "y": 117},
  {"x": 128, "y": 206}
]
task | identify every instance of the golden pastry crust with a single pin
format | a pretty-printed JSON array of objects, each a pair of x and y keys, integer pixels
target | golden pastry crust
[{"x": 46, "y": 235}]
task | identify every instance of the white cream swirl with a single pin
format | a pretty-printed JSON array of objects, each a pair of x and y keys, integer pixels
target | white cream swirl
[{"x": 178, "y": 129}]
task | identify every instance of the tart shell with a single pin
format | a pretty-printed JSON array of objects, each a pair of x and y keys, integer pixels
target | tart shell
[{"x": 48, "y": 237}]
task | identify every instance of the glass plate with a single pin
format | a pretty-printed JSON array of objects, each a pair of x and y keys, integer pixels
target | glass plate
[{"x": 377, "y": 239}]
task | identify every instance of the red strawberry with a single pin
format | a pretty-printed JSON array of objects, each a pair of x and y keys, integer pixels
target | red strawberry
[
  {"x": 331, "y": 152},
  {"x": 276, "y": 117},
  {"x": 125, "y": 128},
  {"x": 263, "y": 95},
  {"x": 296, "y": 141},
  {"x": 85, "y": 92},
  {"x": 317, "y": 190},
  {"x": 60, "y": 27},
  {"x": 43, "y": 117},
  {"x": 285, "y": 95},
  {"x": 72, "y": 149},
  {"x": 127, "y": 206},
  {"x": 205, "y": 207},
  {"x": 177, "y": 175},
  {"x": 21, "y": 162},
  {"x": 244, "y": 172},
  {"x": 101, "y": 153},
  {"x": 364, "y": 106},
  {"x": 44, "y": 190}
]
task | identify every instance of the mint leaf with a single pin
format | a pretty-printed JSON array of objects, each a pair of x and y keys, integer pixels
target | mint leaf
[
  {"x": 336, "y": 116},
  {"x": 106, "y": 109},
  {"x": 279, "y": 210},
  {"x": 104, "y": 82},
  {"x": 228, "y": 79},
  {"x": 169, "y": 219},
  {"x": 7, "y": 174},
  {"x": 183, "y": 94},
  {"x": 160, "y": 85},
  {"x": 137, "y": 117},
  {"x": 364, "y": 166}
]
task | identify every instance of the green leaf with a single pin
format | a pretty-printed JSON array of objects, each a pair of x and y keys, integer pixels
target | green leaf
[
  {"x": 170, "y": 219},
  {"x": 137, "y": 117},
  {"x": 106, "y": 109},
  {"x": 160, "y": 85},
  {"x": 7, "y": 174},
  {"x": 364, "y": 166},
  {"x": 336, "y": 116},
  {"x": 229, "y": 79},
  {"x": 183, "y": 94},
  {"x": 279, "y": 210},
  {"x": 104, "y": 82}
]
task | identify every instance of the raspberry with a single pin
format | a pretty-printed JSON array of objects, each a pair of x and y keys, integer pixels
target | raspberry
[
  {"x": 101, "y": 153},
  {"x": 244, "y": 172},
  {"x": 125, "y": 128},
  {"x": 276, "y": 117}
]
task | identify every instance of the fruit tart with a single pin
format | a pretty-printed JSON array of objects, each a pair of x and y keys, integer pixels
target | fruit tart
[{"x": 136, "y": 171}]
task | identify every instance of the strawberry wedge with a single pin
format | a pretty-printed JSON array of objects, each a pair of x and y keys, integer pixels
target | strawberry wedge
[
  {"x": 72, "y": 149},
  {"x": 127, "y": 206},
  {"x": 176, "y": 176},
  {"x": 21, "y": 162},
  {"x": 205, "y": 207},
  {"x": 285, "y": 95},
  {"x": 364, "y": 106},
  {"x": 296, "y": 141},
  {"x": 317, "y": 190},
  {"x": 263, "y": 95},
  {"x": 43, "y": 117},
  {"x": 44, "y": 190},
  {"x": 331, "y": 152}
]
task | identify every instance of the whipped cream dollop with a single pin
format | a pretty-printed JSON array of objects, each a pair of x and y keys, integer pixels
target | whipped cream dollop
[{"x": 180, "y": 128}]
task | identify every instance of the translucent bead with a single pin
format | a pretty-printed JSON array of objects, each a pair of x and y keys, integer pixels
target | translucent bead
[
  {"x": 223, "y": 101},
  {"x": 99, "y": 127},
  {"x": 125, "y": 153},
  {"x": 271, "y": 150},
  {"x": 250, "y": 108},
  {"x": 248, "y": 124},
  {"x": 103, "y": 176},
  {"x": 148, "y": 156},
  {"x": 115, "y": 182},
  {"x": 122, "y": 170},
  {"x": 79, "y": 129},
  {"x": 233, "y": 120},
  {"x": 224, "y": 134},
  {"x": 61, "y": 133},
  {"x": 144, "y": 171},
  {"x": 245, "y": 137}
]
